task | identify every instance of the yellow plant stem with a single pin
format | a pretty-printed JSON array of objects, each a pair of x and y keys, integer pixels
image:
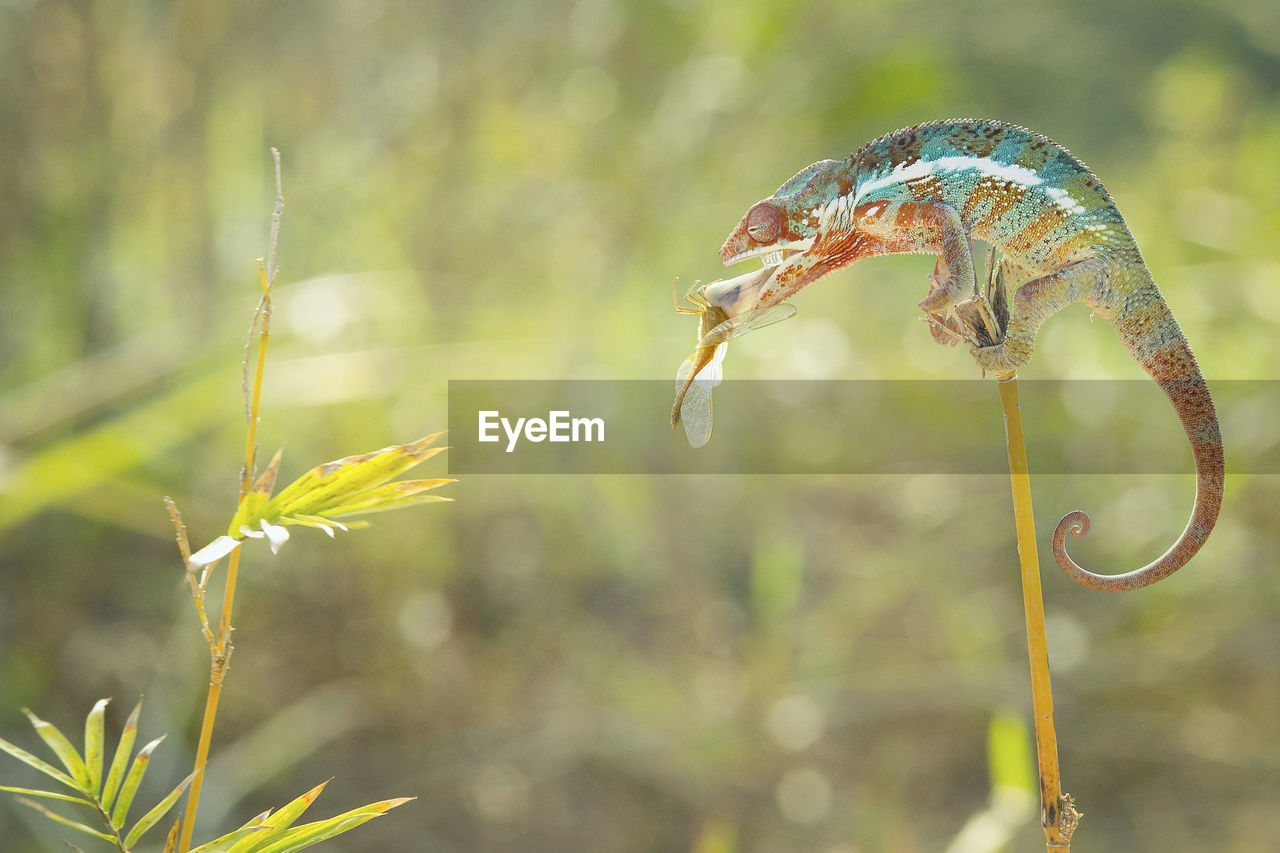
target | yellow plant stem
[
  {"x": 221, "y": 654},
  {"x": 1057, "y": 812},
  {"x": 220, "y": 650}
]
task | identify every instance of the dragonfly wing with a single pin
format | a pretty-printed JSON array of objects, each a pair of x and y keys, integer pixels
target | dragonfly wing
[
  {"x": 693, "y": 396},
  {"x": 713, "y": 373},
  {"x": 695, "y": 412},
  {"x": 736, "y": 327}
]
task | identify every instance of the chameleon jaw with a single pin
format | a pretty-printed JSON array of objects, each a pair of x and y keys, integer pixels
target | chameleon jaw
[{"x": 786, "y": 247}]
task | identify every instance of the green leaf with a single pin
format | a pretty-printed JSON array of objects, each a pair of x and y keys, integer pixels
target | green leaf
[
  {"x": 43, "y": 766},
  {"x": 347, "y": 486},
  {"x": 333, "y": 481},
  {"x": 65, "y": 821},
  {"x": 120, "y": 760},
  {"x": 94, "y": 738},
  {"x": 132, "y": 781},
  {"x": 309, "y": 834},
  {"x": 387, "y": 496},
  {"x": 325, "y": 524},
  {"x": 228, "y": 842},
  {"x": 61, "y": 747},
  {"x": 153, "y": 817},
  {"x": 280, "y": 821},
  {"x": 53, "y": 795}
]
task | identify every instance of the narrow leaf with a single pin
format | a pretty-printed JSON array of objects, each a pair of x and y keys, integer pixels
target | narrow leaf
[
  {"x": 53, "y": 795},
  {"x": 395, "y": 488},
  {"x": 65, "y": 821},
  {"x": 280, "y": 821},
  {"x": 61, "y": 747},
  {"x": 228, "y": 842},
  {"x": 310, "y": 834},
  {"x": 131, "y": 783},
  {"x": 153, "y": 817},
  {"x": 43, "y": 766},
  {"x": 120, "y": 760},
  {"x": 325, "y": 483},
  {"x": 171, "y": 841},
  {"x": 386, "y": 496},
  {"x": 94, "y": 738},
  {"x": 323, "y": 524},
  {"x": 398, "y": 503}
]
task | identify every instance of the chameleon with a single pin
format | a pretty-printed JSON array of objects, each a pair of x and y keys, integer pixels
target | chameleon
[{"x": 933, "y": 187}]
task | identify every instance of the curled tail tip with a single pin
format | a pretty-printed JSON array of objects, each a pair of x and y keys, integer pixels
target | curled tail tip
[{"x": 1076, "y": 522}]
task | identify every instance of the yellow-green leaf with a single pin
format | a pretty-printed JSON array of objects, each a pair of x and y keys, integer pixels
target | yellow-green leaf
[
  {"x": 61, "y": 747},
  {"x": 52, "y": 795},
  {"x": 386, "y": 496},
  {"x": 153, "y": 817},
  {"x": 131, "y": 783},
  {"x": 228, "y": 842},
  {"x": 310, "y": 834},
  {"x": 39, "y": 764},
  {"x": 324, "y": 484},
  {"x": 65, "y": 821},
  {"x": 94, "y": 738},
  {"x": 280, "y": 821},
  {"x": 325, "y": 524},
  {"x": 120, "y": 760}
]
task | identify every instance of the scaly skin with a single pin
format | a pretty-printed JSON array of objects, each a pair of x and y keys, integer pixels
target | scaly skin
[{"x": 933, "y": 187}]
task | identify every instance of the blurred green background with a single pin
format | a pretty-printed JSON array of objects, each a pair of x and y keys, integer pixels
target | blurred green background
[{"x": 502, "y": 191}]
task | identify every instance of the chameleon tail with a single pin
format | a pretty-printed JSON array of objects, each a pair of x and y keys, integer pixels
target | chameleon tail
[{"x": 1151, "y": 334}]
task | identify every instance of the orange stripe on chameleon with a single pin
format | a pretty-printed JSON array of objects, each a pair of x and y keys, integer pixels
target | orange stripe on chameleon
[
  {"x": 1049, "y": 219},
  {"x": 996, "y": 197}
]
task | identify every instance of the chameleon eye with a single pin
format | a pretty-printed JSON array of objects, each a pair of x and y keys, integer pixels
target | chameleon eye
[{"x": 764, "y": 223}]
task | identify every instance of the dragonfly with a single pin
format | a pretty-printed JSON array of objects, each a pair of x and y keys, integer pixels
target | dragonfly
[{"x": 704, "y": 370}]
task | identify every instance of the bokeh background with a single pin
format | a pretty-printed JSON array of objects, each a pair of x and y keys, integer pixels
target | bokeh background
[{"x": 503, "y": 191}]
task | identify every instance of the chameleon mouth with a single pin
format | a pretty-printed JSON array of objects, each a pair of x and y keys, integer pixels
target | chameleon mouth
[
  {"x": 773, "y": 254},
  {"x": 741, "y": 294}
]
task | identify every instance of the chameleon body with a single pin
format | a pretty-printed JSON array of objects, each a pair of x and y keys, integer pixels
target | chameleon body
[{"x": 933, "y": 187}]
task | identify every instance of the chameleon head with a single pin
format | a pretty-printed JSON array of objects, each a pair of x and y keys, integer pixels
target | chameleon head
[
  {"x": 788, "y": 220},
  {"x": 805, "y": 229}
]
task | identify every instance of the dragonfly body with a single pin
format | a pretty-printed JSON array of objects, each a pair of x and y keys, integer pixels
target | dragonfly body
[{"x": 720, "y": 320}]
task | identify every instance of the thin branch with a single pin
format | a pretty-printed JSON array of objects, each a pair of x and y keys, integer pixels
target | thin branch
[
  {"x": 180, "y": 529},
  {"x": 221, "y": 647},
  {"x": 1058, "y": 816},
  {"x": 272, "y": 269}
]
